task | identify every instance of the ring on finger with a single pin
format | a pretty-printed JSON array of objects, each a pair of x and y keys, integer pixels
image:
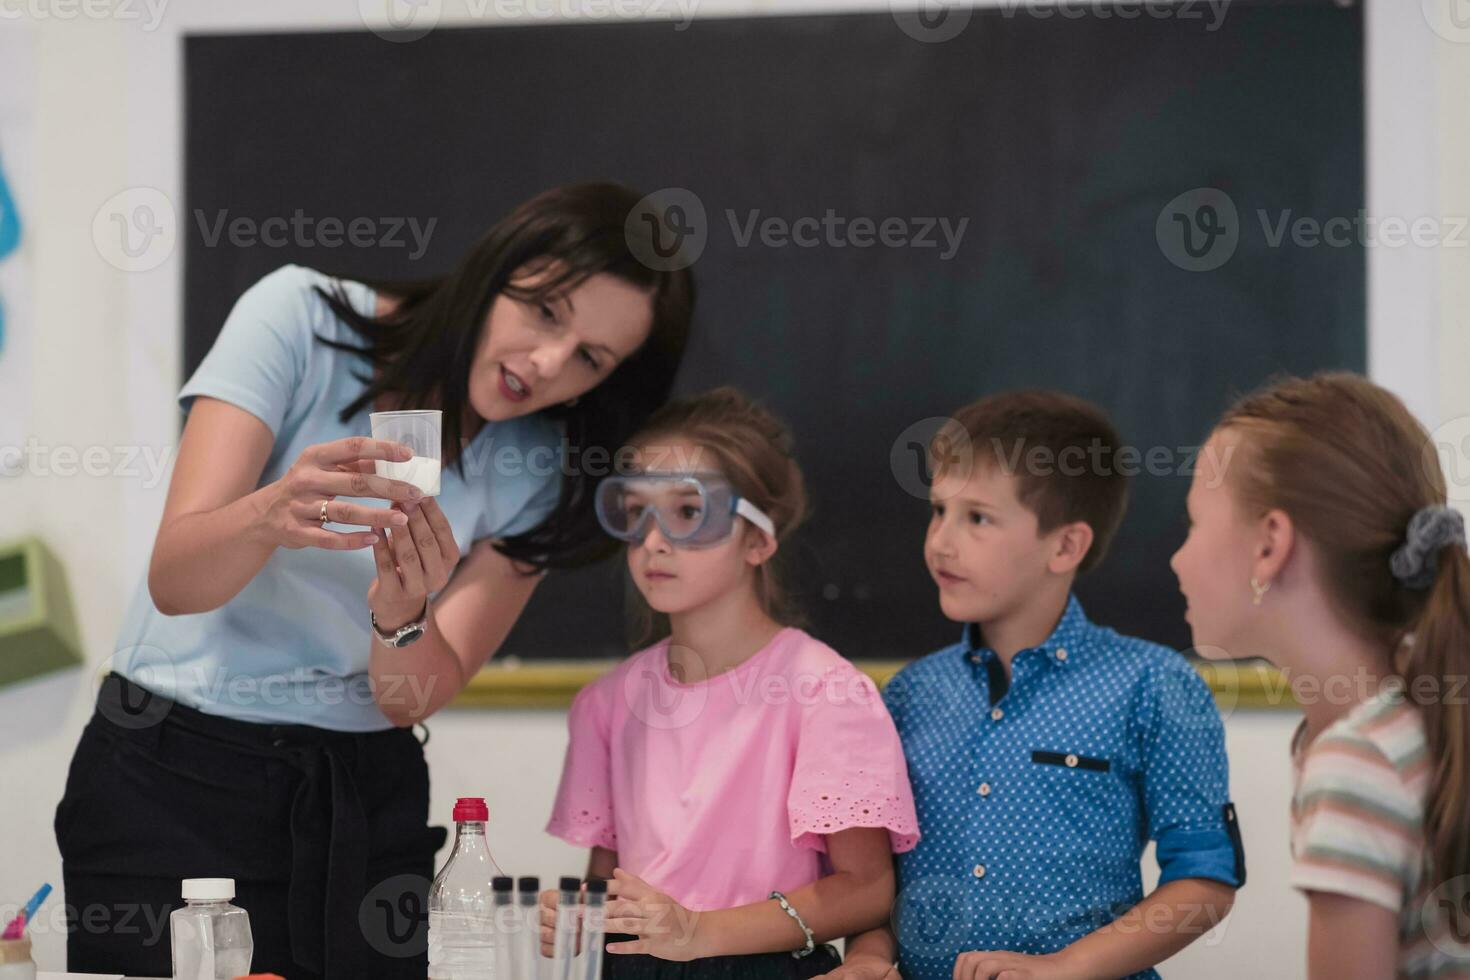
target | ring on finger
[{"x": 324, "y": 512}]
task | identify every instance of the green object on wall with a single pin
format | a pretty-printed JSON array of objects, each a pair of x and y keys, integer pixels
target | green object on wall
[{"x": 38, "y": 628}]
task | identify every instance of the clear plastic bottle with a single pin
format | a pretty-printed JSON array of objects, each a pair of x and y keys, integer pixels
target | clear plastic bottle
[
  {"x": 462, "y": 935},
  {"x": 210, "y": 937}
]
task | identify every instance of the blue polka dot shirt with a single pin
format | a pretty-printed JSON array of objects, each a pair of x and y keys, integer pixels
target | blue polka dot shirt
[{"x": 1037, "y": 793}]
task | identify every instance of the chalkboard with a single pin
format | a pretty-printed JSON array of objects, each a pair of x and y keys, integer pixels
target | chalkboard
[{"x": 1072, "y": 146}]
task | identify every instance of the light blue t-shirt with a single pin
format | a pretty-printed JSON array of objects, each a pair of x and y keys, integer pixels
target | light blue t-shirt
[{"x": 293, "y": 646}]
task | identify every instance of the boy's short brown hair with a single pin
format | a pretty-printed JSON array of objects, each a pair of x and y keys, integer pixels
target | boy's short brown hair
[{"x": 1061, "y": 449}]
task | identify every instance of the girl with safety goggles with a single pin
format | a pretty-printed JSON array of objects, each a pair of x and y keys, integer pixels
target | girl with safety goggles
[{"x": 740, "y": 783}]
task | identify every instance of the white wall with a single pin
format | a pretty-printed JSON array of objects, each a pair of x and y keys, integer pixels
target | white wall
[{"x": 105, "y": 110}]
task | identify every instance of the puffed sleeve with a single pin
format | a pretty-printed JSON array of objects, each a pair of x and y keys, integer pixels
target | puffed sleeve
[
  {"x": 583, "y": 812},
  {"x": 259, "y": 359},
  {"x": 850, "y": 770},
  {"x": 1186, "y": 779}
]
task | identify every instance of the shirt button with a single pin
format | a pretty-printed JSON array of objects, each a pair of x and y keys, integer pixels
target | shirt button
[
  {"x": 974, "y": 658},
  {"x": 1061, "y": 653},
  {"x": 984, "y": 789},
  {"x": 1072, "y": 761},
  {"x": 996, "y": 714},
  {"x": 979, "y": 871}
]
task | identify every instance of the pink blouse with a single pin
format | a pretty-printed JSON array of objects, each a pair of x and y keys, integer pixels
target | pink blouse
[{"x": 718, "y": 793}]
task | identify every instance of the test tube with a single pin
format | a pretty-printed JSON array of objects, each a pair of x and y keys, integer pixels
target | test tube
[
  {"x": 593, "y": 925},
  {"x": 503, "y": 919},
  {"x": 528, "y": 949},
  {"x": 564, "y": 949}
]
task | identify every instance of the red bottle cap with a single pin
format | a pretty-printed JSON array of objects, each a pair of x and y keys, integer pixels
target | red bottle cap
[{"x": 471, "y": 808}]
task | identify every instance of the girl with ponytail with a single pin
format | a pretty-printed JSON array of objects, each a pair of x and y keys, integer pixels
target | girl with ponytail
[{"x": 1320, "y": 540}]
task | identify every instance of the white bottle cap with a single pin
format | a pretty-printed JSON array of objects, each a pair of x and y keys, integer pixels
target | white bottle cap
[{"x": 209, "y": 889}]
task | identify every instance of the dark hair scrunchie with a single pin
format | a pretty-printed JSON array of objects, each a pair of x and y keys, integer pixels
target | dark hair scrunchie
[{"x": 1416, "y": 562}]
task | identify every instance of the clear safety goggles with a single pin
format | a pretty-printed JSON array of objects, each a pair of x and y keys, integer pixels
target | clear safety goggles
[{"x": 692, "y": 510}]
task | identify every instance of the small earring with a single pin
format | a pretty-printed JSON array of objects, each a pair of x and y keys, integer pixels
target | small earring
[
  {"x": 1259, "y": 589},
  {"x": 572, "y": 402}
]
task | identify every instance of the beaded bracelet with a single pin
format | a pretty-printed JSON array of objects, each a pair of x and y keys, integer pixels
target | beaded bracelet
[{"x": 811, "y": 944}]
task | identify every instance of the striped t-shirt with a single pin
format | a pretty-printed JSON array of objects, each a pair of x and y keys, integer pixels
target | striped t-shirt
[{"x": 1357, "y": 829}]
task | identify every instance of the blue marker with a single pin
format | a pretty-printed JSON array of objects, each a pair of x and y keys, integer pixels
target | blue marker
[
  {"x": 18, "y": 924},
  {"x": 36, "y": 900}
]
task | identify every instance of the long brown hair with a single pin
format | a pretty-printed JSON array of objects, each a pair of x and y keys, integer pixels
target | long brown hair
[
  {"x": 754, "y": 450},
  {"x": 425, "y": 347},
  {"x": 1348, "y": 463}
]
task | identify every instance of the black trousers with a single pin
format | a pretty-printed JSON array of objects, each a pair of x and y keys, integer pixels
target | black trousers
[
  {"x": 325, "y": 833},
  {"x": 759, "y": 966}
]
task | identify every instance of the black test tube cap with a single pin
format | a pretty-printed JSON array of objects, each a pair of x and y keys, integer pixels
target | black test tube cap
[
  {"x": 570, "y": 884},
  {"x": 530, "y": 883},
  {"x": 597, "y": 886},
  {"x": 503, "y": 883}
]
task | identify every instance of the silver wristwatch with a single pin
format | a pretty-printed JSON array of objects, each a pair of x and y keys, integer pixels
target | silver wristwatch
[{"x": 406, "y": 634}]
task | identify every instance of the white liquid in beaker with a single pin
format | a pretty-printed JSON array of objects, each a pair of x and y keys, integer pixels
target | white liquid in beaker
[{"x": 421, "y": 471}]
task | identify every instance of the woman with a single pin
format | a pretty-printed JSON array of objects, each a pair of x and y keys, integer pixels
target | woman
[{"x": 254, "y": 726}]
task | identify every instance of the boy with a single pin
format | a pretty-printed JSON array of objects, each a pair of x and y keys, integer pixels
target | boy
[{"x": 1045, "y": 751}]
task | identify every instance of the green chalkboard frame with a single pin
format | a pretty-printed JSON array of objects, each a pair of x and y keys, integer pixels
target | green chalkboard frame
[{"x": 1247, "y": 684}]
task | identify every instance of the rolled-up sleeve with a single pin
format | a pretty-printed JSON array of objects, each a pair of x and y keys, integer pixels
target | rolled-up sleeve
[{"x": 1186, "y": 779}]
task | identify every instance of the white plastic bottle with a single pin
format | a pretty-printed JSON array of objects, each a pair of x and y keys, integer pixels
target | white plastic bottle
[
  {"x": 210, "y": 937},
  {"x": 462, "y": 933}
]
